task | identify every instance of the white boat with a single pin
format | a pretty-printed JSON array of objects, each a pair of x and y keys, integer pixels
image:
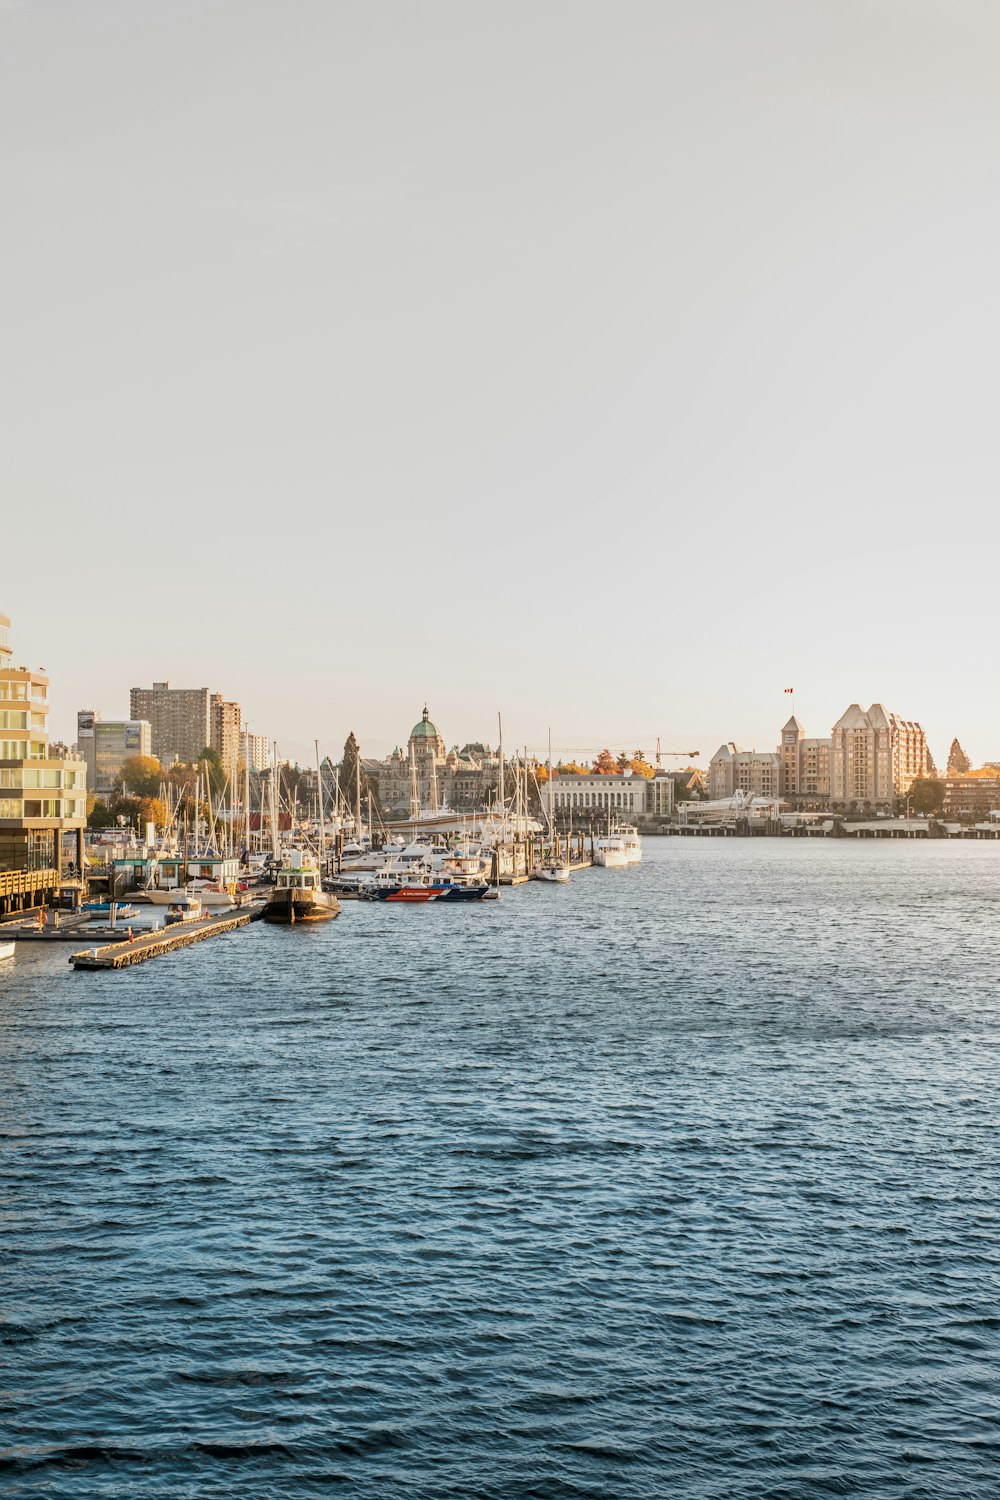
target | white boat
[
  {"x": 7, "y": 950},
  {"x": 183, "y": 908},
  {"x": 551, "y": 870},
  {"x": 619, "y": 847},
  {"x": 208, "y": 893}
]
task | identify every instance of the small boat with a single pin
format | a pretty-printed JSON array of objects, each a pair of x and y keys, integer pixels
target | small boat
[
  {"x": 185, "y": 907},
  {"x": 551, "y": 870},
  {"x": 298, "y": 894},
  {"x": 7, "y": 950}
]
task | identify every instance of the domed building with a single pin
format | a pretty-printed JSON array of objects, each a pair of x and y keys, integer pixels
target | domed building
[{"x": 460, "y": 780}]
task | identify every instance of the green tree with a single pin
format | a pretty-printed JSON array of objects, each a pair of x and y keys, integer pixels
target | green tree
[
  {"x": 925, "y": 796},
  {"x": 210, "y": 764},
  {"x": 98, "y": 815}
]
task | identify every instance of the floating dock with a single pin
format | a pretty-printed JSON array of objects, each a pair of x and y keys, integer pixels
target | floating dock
[{"x": 151, "y": 944}]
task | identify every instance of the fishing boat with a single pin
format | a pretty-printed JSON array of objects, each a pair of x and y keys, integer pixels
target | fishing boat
[
  {"x": 7, "y": 950},
  {"x": 298, "y": 894}
]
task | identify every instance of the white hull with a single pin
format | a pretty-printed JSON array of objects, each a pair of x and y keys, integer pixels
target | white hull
[
  {"x": 612, "y": 859},
  {"x": 207, "y": 898},
  {"x": 7, "y": 950},
  {"x": 556, "y": 873}
]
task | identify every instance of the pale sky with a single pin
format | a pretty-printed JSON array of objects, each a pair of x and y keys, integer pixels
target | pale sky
[{"x": 613, "y": 365}]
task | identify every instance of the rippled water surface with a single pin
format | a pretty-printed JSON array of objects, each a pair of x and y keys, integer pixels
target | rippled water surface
[{"x": 681, "y": 1180}]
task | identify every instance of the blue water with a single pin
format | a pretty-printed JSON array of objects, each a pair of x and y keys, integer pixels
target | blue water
[{"x": 681, "y": 1180}]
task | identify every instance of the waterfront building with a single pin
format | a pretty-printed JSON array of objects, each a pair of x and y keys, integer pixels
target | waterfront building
[
  {"x": 876, "y": 756},
  {"x": 224, "y": 730},
  {"x": 755, "y": 772},
  {"x": 629, "y": 795},
  {"x": 43, "y": 800},
  {"x": 805, "y": 766},
  {"x": 106, "y": 744},
  {"x": 255, "y": 749},
  {"x": 180, "y": 719},
  {"x": 972, "y": 794}
]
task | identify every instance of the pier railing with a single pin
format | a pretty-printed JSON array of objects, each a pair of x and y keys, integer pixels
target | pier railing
[{"x": 24, "y": 882}]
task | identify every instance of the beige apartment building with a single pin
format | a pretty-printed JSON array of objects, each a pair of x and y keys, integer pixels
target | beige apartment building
[
  {"x": 755, "y": 772},
  {"x": 43, "y": 800},
  {"x": 225, "y": 730},
  {"x": 255, "y": 749},
  {"x": 876, "y": 756},
  {"x": 805, "y": 766},
  {"x": 180, "y": 719}
]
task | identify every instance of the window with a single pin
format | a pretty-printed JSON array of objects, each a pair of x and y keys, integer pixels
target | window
[{"x": 9, "y": 808}]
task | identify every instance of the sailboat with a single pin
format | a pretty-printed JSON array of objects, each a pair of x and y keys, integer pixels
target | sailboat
[{"x": 554, "y": 866}]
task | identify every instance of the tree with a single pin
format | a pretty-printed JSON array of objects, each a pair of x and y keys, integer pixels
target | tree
[
  {"x": 926, "y": 795},
  {"x": 958, "y": 761},
  {"x": 141, "y": 775},
  {"x": 606, "y": 765},
  {"x": 353, "y": 774},
  {"x": 99, "y": 816},
  {"x": 210, "y": 764}
]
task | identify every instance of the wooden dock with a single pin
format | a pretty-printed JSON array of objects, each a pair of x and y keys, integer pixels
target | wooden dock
[{"x": 151, "y": 944}]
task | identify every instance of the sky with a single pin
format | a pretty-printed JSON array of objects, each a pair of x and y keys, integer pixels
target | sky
[{"x": 615, "y": 367}]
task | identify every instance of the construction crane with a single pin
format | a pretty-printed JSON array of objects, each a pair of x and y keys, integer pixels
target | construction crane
[{"x": 596, "y": 750}]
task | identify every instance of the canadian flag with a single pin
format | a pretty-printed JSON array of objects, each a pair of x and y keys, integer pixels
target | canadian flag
[{"x": 789, "y": 690}]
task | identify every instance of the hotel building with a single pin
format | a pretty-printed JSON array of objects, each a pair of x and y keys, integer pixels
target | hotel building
[
  {"x": 43, "y": 801},
  {"x": 732, "y": 770},
  {"x": 805, "y": 766},
  {"x": 876, "y": 756}
]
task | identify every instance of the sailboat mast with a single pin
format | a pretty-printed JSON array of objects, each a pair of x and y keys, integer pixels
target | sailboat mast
[{"x": 322, "y": 820}]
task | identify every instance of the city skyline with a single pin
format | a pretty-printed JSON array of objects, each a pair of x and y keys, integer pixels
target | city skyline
[
  {"x": 340, "y": 408},
  {"x": 302, "y": 748}
]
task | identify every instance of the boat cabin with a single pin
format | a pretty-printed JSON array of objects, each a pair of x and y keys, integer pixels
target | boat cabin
[
  {"x": 173, "y": 870},
  {"x": 298, "y": 880}
]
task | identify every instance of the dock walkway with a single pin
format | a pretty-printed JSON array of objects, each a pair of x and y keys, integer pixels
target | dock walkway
[{"x": 151, "y": 944}]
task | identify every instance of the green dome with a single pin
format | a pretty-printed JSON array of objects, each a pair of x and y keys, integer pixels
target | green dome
[{"x": 425, "y": 730}]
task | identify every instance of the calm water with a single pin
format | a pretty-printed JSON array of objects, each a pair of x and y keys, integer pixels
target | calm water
[{"x": 682, "y": 1180}]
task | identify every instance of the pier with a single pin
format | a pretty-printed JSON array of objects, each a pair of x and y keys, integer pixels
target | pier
[{"x": 151, "y": 944}]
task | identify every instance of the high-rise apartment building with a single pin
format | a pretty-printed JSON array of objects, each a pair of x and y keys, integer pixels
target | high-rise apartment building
[
  {"x": 180, "y": 719},
  {"x": 43, "y": 801},
  {"x": 805, "y": 765},
  {"x": 225, "y": 730},
  {"x": 106, "y": 744},
  {"x": 255, "y": 750},
  {"x": 876, "y": 756}
]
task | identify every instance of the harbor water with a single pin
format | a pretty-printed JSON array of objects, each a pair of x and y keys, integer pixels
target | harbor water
[{"x": 682, "y": 1179}]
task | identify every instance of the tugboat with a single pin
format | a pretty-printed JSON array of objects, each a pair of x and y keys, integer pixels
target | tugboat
[{"x": 298, "y": 894}]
